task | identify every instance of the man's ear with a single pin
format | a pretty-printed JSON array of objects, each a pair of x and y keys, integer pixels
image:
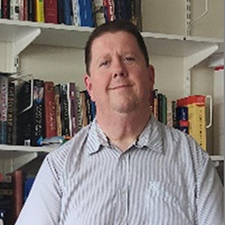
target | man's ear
[{"x": 88, "y": 85}]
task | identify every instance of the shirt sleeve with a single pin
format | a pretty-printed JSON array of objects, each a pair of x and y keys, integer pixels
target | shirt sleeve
[
  {"x": 42, "y": 206},
  {"x": 210, "y": 196}
]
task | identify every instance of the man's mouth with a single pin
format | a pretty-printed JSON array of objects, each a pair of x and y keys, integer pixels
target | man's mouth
[{"x": 122, "y": 86}]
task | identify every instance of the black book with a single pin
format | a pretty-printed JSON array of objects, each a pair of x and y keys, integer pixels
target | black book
[{"x": 64, "y": 110}]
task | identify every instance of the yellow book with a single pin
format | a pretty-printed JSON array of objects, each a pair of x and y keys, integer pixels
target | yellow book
[
  {"x": 197, "y": 119},
  {"x": 40, "y": 11}
]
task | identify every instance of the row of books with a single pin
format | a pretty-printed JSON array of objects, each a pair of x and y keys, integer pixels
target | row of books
[
  {"x": 38, "y": 112},
  {"x": 14, "y": 189},
  {"x": 186, "y": 114},
  {"x": 72, "y": 12}
]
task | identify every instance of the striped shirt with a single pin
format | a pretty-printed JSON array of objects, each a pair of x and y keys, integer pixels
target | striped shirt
[{"x": 163, "y": 178}]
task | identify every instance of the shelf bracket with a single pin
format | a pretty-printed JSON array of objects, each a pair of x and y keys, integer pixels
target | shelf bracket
[
  {"x": 193, "y": 60},
  {"x": 11, "y": 49},
  {"x": 22, "y": 160}
]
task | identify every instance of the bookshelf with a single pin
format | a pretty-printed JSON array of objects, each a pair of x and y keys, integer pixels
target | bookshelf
[{"x": 16, "y": 36}]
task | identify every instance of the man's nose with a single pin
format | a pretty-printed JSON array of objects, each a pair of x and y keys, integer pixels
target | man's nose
[{"x": 119, "y": 69}]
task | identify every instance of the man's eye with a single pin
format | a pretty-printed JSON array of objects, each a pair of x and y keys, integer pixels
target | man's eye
[
  {"x": 129, "y": 59},
  {"x": 105, "y": 63}
]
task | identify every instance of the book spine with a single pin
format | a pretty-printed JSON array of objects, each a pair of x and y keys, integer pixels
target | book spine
[
  {"x": 182, "y": 119},
  {"x": 84, "y": 117},
  {"x": 155, "y": 103},
  {"x": 21, "y": 9},
  {"x": 50, "y": 109},
  {"x": 67, "y": 13},
  {"x": 164, "y": 109},
  {"x": 11, "y": 113},
  {"x": 23, "y": 118},
  {"x": 5, "y": 9},
  {"x": 4, "y": 80},
  {"x": 75, "y": 12},
  {"x": 72, "y": 109},
  {"x": 38, "y": 113},
  {"x": 174, "y": 114},
  {"x": 50, "y": 11},
  {"x": 60, "y": 11},
  {"x": 169, "y": 113},
  {"x": 58, "y": 110},
  {"x": 17, "y": 193},
  {"x": 160, "y": 106},
  {"x": 14, "y": 9},
  {"x": 39, "y": 6},
  {"x": 25, "y": 10},
  {"x": 86, "y": 18},
  {"x": 110, "y": 10},
  {"x": 98, "y": 12},
  {"x": 138, "y": 15},
  {"x": 64, "y": 110},
  {"x": 30, "y": 10}
]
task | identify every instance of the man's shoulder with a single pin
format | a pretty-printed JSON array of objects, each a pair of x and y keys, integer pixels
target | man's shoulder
[{"x": 184, "y": 146}]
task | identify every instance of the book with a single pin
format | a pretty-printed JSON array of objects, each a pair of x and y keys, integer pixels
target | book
[
  {"x": 37, "y": 122},
  {"x": 164, "y": 109},
  {"x": 4, "y": 82},
  {"x": 85, "y": 13},
  {"x": 67, "y": 12},
  {"x": 58, "y": 110},
  {"x": 14, "y": 9},
  {"x": 39, "y": 12},
  {"x": 24, "y": 114},
  {"x": 11, "y": 113},
  {"x": 182, "y": 117},
  {"x": 136, "y": 14},
  {"x": 98, "y": 12},
  {"x": 50, "y": 110},
  {"x": 21, "y": 9},
  {"x": 84, "y": 118},
  {"x": 109, "y": 8},
  {"x": 5, "y": 9},
  {"x": 60, "y": 11},
  {"x": 64, "y": 110},
  {"x": 75, "y": 13},
  {"x": 155, "y": 103},
  {"x": 17, "y": 193},
  {"x": 51, "y": 11},
  {"x": 169, "y": 113},
  {"x": 28, "y": 183},
  {"x": 72, "y": 108},
  {"x": 30, "y": 10},
  {"x": 197, "y": 119}
]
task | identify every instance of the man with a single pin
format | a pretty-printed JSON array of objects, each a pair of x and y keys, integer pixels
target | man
[{"x": 124, "y": 168}]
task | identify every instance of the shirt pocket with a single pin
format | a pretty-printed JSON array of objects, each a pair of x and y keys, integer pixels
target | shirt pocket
[{"x": 168, "y": 204}]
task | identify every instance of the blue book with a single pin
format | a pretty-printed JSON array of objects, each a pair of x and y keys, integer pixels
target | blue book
[
  {"x": 67, "y": 12},
  {"x": 27, "y": 186},
  {"x": 85, "y": 13}
]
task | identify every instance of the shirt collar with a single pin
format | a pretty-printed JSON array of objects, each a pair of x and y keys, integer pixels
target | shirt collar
[{"x": 151, "y": 137}]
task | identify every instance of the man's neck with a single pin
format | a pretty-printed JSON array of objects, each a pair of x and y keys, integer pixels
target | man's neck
[{"x": 123, "y": 130}]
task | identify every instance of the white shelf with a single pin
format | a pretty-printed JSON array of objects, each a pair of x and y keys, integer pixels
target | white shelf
[
  {"x": 72, "y": 36},
  {"x": 14, "y": 151},
  {"x": 217, "y": 157}
]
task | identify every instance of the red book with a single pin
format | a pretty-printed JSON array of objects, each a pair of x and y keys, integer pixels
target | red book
[
  {"x": 51, "y": 11},
  {"x": 50, "y": 109},
  {"x": 17, "y": 195}
]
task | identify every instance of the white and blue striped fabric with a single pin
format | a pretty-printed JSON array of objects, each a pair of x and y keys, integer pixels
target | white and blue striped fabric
[{"x": 164, "y": 178}]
